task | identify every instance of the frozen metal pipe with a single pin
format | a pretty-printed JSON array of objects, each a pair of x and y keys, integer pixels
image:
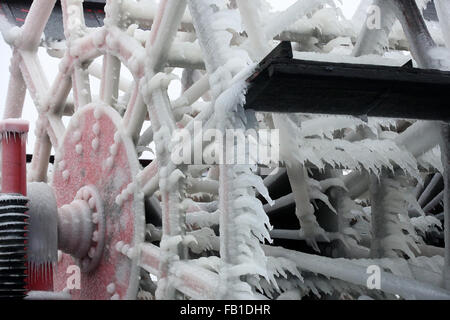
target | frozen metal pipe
[
  {"x": 349, "y": 271},
  {"x": 416, "y": 31},
  {"x": 434, "y": 202},
  {"x": 35, "y": 23},
  {"x": 274, "y": 176},
  {"x": 16, "y": 90}
]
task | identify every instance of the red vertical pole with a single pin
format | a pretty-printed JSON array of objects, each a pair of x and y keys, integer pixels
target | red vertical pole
[{"x": 14, "y": 133}]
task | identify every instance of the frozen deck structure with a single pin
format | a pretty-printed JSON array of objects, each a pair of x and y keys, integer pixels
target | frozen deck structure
[{"x": 284, "y": 84}]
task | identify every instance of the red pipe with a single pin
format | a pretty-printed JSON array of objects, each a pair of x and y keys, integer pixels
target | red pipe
[
  {"x": 14, "y": 176},
  {"x": 13, "y": 133}
]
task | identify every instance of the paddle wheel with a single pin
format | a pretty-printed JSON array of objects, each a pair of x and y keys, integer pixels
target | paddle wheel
[{"x": 196, "y": 229}]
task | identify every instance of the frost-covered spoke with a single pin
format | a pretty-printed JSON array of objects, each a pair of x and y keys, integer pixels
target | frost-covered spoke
[
  {"x": 135, "y": 114},
  {"x": 109, "y": 88},
  {"x": 356, "y": 274},
  {"x": 254, "y": 28},
  {"x": 242, "y": 225},
  {"x": 41, "y": 155},
  {"x": 163, "y": 32},
  {"x": 81, "y": 87},
  {"x": 297, "y": 174},
  {"x": 59, "y": 94},
  {"x": 34, "y": 76},
  {"x": 148, "y": 179},
  {"x": 35, "y": 23},
  {"x": 146, "y": 12},
  {"x": 193, "y": 93},
  {"x": 429, "y": 188},
  {"x": 55, "y": 130},
  {"x": 95, "y": 70},
  {"x": 359, "y": 192},
  {"x": 417, "y": 33},
  {"x": 154, "y": 90},
  {"x": 73, "y": 18},
  {"x": 145, "y": 138},
  {"x": 16, "y": 90},
  {"x": 171, "y": 185}
]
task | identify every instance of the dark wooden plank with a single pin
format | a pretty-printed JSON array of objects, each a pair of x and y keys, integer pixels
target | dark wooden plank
[{"x": 283, "y": 84}]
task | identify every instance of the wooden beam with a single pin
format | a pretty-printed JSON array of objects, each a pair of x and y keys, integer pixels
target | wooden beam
[{"x": 284, "y": 84}]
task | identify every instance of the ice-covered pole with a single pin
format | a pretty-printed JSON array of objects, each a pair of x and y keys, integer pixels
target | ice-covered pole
[
  {"x": 13, "y": 133},
  {"x": 35, "y": 23}
]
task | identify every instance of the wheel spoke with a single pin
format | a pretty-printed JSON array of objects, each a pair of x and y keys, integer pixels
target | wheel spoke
[
  {"x": 163, "y": 32},
  {"x": 34, "y": 76},
  {"x": 35, "y": 23},
  {"x": 41, "y": 155},
  {"x": 81, "y": 87},
  {"x": 254, "y": 28},
  {"x": 58, "y": 94},
  {"x": 96, "y": 69},
  {"x": 16, "y": 89},
  {"x": 73, "y": 18},
  {"x": 148, "y": 179},
  {"x": 135, "y": 114},
  {"x": 193, "y": 93},
  {"x": 146, "y": 137},
  {"x": 55, "y": 130},
  {"x": 109, "y": 88}
]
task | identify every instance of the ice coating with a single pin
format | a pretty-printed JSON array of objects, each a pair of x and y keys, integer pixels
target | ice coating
[
  {"x": 42, "y": 235},
  {"x": 14, "y": 126},
  {"x": 213, "y": 211}
]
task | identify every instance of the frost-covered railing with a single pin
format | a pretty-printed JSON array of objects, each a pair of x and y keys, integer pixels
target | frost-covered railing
[{"x": 215, "y": 232}]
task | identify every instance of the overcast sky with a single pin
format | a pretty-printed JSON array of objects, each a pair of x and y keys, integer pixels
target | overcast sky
[{"x": 51, "y": 66}]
